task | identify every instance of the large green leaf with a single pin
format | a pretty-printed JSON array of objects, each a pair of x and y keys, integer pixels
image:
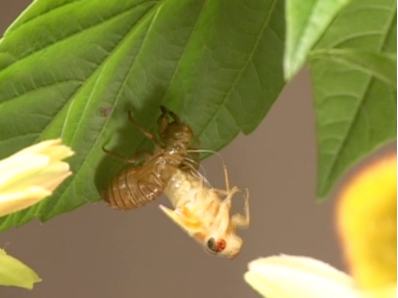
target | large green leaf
[
  {"x": 356, "y": 112},
  {"x": 306, "y": 22},
  {"x": 15, "y": 273},
  {"x": 74, "y": 68}
]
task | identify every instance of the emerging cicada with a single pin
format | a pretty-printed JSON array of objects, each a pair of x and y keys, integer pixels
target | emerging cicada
[
  {"x": 204, "y": 212},
  {"x": 201, "y": 210},
  {"x": 138, "y": 185}
]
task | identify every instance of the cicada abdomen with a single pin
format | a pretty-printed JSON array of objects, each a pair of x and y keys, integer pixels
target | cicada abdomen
[{"x": 137, "y": 185}]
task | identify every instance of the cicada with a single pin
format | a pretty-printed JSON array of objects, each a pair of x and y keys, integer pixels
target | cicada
[
  {"x": 137, "y": 185},
  {"x": 204, "y": 212}
]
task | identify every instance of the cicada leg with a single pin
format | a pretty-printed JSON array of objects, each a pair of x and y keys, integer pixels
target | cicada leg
[
  {"x": 163, "y": 121},
  {"x": 239, "y": 220},
  {"x": 137, "y": 158},
  {"x": 228, "y": 192},
  {"x": 144, "y": 131},
  {"x": 166, "y": 112}
]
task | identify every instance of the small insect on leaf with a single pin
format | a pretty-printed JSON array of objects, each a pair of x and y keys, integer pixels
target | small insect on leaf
[{"x": 137, "y": 185}]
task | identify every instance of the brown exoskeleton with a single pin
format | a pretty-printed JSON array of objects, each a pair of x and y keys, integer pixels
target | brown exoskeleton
[{"x": 138, "y": 185}]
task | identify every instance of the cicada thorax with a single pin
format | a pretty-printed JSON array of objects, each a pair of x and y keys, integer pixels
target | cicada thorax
[{"x": 137, "y": 185}]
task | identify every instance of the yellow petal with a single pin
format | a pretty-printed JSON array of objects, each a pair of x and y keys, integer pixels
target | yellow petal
[
  {"x": 15, "y": 273},
  {"x": 15, "y": 169},
  {"x": 383, "y": 292},
  {"x": 367, "y": 224},
  {"x": 46, "y": 177},
  {"x": 19, "y": 200},
  {"x": 57, "y": 151},
  {"x": 293, "y": 276},
  {"x": 31, "y": 174}
]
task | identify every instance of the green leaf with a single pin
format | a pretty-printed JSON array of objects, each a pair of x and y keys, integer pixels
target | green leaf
[
  {"x": 306, "y": 22},
  {"x": 356, "y": 111},
  {"x": 15, "y": 273},
  {"x": 73, "y": 69},
  {"x": 380, "y": 65}
]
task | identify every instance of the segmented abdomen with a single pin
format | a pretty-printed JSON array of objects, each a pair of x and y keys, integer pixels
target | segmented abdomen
[{"x": 134, "y": 187}]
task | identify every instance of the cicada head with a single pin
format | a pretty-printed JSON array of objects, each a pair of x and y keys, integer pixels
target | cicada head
[
  {"x": 228, "y": 245},
  {"x": 178, "y": 137}
]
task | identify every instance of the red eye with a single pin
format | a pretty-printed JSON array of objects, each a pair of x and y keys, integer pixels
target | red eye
[{"x": 221, "y": 244}]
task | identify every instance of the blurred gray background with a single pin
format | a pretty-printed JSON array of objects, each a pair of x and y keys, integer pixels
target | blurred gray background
[{"x": 98, "y": 252}]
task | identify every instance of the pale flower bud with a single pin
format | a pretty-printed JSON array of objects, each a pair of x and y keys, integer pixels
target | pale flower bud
[
  {"x": 32, "y": 174},
  {"x": 295, "y": 276}
]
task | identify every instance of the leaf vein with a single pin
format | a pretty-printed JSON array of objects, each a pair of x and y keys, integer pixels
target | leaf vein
[
  {"x": 54, "y": 42},
  {"x": 240, "y": 73},
  {"x": 354, "y": 36},
  {"x": 39, "y": 87},
  {"x": 56, "y": 8},
  {"x": 361, "y": 102},
  {"x": 101, "y": 131}
]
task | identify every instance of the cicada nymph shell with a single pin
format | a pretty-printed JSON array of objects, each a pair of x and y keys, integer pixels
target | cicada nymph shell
[
  {"x": 204, "y": 212},
  {"x": 138, "y": 185}
]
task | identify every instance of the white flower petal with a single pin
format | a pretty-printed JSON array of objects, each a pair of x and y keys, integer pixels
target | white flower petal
[
  {"x": 21, "y": 170},
  {"x": 293, "y": 276},
  {"x": 57, "y": 151},
  {"x": 15, "y": 201},
  {"x": 43, "y": 177},
  {"x": 32, "y": 174},
  {"x": 40, "y": 147}
]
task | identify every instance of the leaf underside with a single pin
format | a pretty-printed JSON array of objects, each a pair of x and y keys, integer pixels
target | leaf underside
[
  {"x": 355, "y": 108},
  {"x": 306, "y": 21},
  {"x": 73, "y": 69},
  {"x": 380, "y": 65}
]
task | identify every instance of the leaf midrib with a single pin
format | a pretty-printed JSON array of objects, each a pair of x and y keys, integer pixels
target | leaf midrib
[
  {"x": 304, "y": 29},
  {"x": 360, "y": 104}
]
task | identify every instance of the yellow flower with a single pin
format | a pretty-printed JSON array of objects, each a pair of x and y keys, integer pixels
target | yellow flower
[
  {"x": 366, "y": 217},
  {"x": 32, "y": 174},
  {"x": 367, "y": 223}
]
